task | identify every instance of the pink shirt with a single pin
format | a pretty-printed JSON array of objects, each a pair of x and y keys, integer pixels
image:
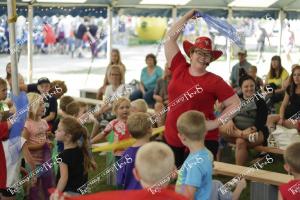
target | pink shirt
[{"x": 37, "y": 135}]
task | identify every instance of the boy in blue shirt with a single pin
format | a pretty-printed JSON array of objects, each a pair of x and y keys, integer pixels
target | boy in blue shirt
[{"x": 195, "y": 175}]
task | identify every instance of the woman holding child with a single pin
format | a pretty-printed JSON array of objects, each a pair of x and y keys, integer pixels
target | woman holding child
[
  {"x": 186, "y": 80},
  {"x": 248, "y": 125}
]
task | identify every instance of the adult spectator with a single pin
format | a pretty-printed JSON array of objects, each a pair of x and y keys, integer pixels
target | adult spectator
[
  {"x": 149, "y": 76},
  {"x": 243, "y": 63},
  {"x": 247, "y": 128},
  {"x": 161, "y": 89},
  {"x": 115, "y": 59},
  {"x": 290, "y": 104},
  {"x": 275, "y": 78},
  {"x": 192, "y": 80},
  {"x": 261, "y": 37}
]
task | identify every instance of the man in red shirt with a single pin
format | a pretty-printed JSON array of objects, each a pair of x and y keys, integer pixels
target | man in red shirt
[{"x": 199, "y": 87}]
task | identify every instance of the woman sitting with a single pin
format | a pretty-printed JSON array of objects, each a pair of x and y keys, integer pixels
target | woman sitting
[
  {"x": 275, "y": 78},
  {"x": 290, "y": 104},
  {"x": 149, "y": 77},
  {"x": 115, "y": 59},
  {"x": 247, "y": 129},
  {"x": 113, "y": 91}
]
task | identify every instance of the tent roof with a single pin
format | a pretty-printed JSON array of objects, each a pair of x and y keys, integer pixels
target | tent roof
[
  {"x": 132, "y": 7},
  {"x": 216, "y": 4}
]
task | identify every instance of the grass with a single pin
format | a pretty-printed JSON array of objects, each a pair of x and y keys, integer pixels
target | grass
[{"x": 227, "y": 156}]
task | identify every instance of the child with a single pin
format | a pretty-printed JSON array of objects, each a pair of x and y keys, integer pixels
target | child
[
  {"x": 140, "y": 128},
  {"x": 195, "y": 176},
  {"x": 50, "y": 101},
  {"x": 290, "y": 190},
  {"x": 154, "y": 163},
  {"x": 64, "y": 101},
  {"x": 258, "y": 81},
  {"x": 73, "y": 170},
  {"x": 113, "y": 91},
  {"x": 121, "y": 108},
  {"x": 35, "y": 132},
  {"x": 139, "y": 105},
  {"x": 160, "y": 114},
  {"x": 3, "y": 106},
  {"x": 73, "y": 108}
]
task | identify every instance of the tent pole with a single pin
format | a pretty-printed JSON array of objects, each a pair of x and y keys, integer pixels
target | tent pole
[
  {"x": 228, "y": 42},
  {"x": 29, "y": 44},
  {"x": 281, "y": 17},
  {"x": 12, "y": 18},
  {"x": 109, "y": 33},
  {"x": 174, "y": 13}
]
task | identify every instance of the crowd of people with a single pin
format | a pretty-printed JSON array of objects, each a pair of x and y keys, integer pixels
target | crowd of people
[
  {"x": 66, "y": 35},
  {"x": 200, "y": 111}
]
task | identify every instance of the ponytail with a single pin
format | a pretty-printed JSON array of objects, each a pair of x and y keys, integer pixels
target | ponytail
[
  {"x": 72, "y": 127},
  {"x": 85, "y": 150}
]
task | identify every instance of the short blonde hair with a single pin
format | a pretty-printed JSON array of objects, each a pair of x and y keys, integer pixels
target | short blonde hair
[
  {"x": 140, "y": 105},
  {"x": 192, "y": 125},
  {"x": 138, "y": 125},
  {"x": 291, "y": 156},
  {"x": 34, "y": 101},
  {"x": 117, "y": 103},
  {"x": 154, "y": 161}
]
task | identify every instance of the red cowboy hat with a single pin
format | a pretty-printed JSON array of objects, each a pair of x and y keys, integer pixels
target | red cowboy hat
[{"x": 202, "y": 43}]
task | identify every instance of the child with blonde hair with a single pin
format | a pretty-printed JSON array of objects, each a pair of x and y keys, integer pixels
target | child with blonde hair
[
  {"x": 195, "y": 176},
  {"x": 139, "y": 105},
  {"x": 35, "y": 132},
  {"x": 121, "y": 108},
  {"x": 290, "y": 190},
  {"x": 154, "y": 167},
  {"x": 140, "y": 128},
  {"x": 75, "y": 159}
]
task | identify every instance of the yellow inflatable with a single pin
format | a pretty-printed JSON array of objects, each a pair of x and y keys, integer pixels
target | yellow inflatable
[
  {"x": 122, "y": 144},
  {"x": 151, "y": 28}
]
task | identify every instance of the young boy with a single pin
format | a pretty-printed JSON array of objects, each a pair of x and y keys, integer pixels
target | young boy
[
  {"x": 195, "y": 176},
  {"x": 140, "y": 128},
  {"x": 50, "y": 101},
  {"x": 154, "y": 163},
  {"x": 291, "y": 190},
  {"x": 139, "y": 105},
  {"x": 258, "y": 81}
]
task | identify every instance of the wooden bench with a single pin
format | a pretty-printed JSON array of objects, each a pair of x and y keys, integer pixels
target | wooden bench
[
  {"x": 88, "y": 93},
  {"x": 263, "y": 176}
]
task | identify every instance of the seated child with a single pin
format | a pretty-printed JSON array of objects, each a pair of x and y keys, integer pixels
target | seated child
[
  {"x": 258, "y": 81},
  {"x": 291, "y": 190},
  {"x": 140, "y": 128},
  {"x": 195, "y": 176},
  {"x": 139, "y": 105},
  {"x": 154, "y": 161},
  {"x": 121, "y": 108},
  {"x": 160, "y": 114},
  {"x": 64, "y": 101},
  {"x": 72, "y": 109}
]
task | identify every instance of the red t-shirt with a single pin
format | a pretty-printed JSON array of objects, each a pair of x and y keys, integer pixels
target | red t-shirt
[
  {"x": 3, "y": 136},
  {"x": 185, "y": 90},
  {"x": 290, "y": 190},
  {"x": 164, "y": 194}
]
